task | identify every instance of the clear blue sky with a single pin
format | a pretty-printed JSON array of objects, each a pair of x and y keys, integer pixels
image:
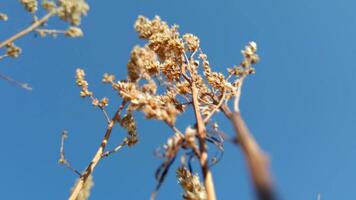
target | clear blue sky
[{"x": 300, "y": 105}]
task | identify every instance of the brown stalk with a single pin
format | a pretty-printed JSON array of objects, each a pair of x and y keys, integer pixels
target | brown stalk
[
  {"x": 27, "y": 30},
  {"x": 257, "y": 160},
  {"x": 207, "y": 175},
  {"x": 97, "y": 157}
]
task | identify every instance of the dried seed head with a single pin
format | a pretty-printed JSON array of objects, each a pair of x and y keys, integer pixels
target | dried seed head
[
  {"x": 72, "y": 10},
  {"x": 13, "y": 50},
  {"x": 193, "y": 189},
  {"x": 30, "y": 5},
  {"x": 191, "y": 41},
  {"x": 74, "y": 32},
  {"x": 48, "y": 5}
]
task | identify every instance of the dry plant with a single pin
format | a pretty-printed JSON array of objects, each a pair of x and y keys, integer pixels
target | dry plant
[
  {"x": 70, "y": 11},
  {"x": 166, "y": 76}
]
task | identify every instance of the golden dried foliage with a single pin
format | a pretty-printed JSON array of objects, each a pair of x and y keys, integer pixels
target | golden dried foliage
[{"x": 166, "y": 76}]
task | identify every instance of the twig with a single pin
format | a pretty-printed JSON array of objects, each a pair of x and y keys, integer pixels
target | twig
[
  {"x": 117, "y": 148},
  {"x": 256, "y": 159},
  {"x": 29, "y": 29},
  {"x": 62, "y": 160},
  {"x": 25, "y": 86},
  {"x": 98, "y": 155}
]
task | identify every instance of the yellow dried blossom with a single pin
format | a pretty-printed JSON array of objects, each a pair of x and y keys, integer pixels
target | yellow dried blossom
[
  {"x": 74, "y": 32},
  {"x": 30, "y": 5},
  {"x": 13, "y": 50},
  {"x": 3, "y": 17},
  {"x": 104, "y": 102},
  {"x": 191, "y": 41},
  {"x": 95, "y": 102},
  {"x": 183, "y": 87},
  {"x": 146, "y": 28},
  {"x": 193, "y": 189},
  {"x": 48, "y": 5},
  {"x": 81, "y": 82},
  {"x": 142, "y": 61},
  {"x": 108, "y": 78},
  {"x": 72, "y": 10}
]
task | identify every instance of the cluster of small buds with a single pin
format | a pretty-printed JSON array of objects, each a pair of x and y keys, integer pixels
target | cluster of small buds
[
  {"x": 143, "y": 61},
  {"x": 128, "y": 122},
  {"x": 81, "y": 82},
  {"x": 108, "y": 78},
  {"x": 193, "y": 189},
  {"x": 162, "y": 39},
  {"x": 191, "y": 41},
  {"x": 30, "y": 5},
  {"x": 3, "y": 17},
  {"x": 48, "y": 5},
  {"x": 146, "y": 28},
  {"x": 13, "y": 50},
  {"x": 73, "y": 32},
  {"x": 250, "y": 58},
  {"x": 72, "y": 10},
  {"x": 102, "y": 103}
]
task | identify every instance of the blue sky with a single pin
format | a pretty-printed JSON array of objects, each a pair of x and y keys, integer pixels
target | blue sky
[{"x": 300, "y": 105}]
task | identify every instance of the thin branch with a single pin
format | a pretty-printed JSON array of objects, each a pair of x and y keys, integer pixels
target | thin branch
[
  {"x": 62, "y": 160},
  {"x": 98, "y": 155},
  {"x": 256, "y": 159},
  {"x": 25, "y": 86},
  {"x": 116, "y": 149},
  {"x": 29, "y": 29},
  {"x": 53, "y": 32}
]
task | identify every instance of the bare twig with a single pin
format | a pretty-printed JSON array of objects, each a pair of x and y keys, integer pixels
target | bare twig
[
  {"x": 62, "y": 160},
  {"x": 256, "y": 159},
  {"x": 29, "y": 29},
  {"x": 116, "y": 149},
  {"x": 25, "y": 86}
]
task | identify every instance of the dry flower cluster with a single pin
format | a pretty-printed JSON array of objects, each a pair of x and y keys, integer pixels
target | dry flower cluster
[
  {"x": 166, "y": 76},
  {"x": 70, "y": 11}
]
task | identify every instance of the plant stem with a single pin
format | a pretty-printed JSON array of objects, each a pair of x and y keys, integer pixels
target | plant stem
[
  {"x": 27, "y": 30},
  {"x": 207, "y": 175},
  {"x": 256, "y": 159}
]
